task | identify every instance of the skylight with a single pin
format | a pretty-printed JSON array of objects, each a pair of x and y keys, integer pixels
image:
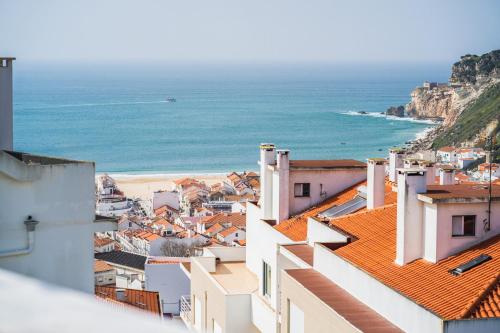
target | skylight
[{"x": 470, "y": 264}]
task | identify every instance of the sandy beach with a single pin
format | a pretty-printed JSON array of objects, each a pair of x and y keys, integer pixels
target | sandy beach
[{"x": 143, "y": 186}]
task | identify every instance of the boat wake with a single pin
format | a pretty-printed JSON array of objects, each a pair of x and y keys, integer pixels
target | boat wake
[
  {"x": 88, "y": 104},
  {"x": 379, "y": 115}
]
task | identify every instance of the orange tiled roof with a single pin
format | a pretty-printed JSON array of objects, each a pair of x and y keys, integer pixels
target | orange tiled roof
[
  {"x": 146, "y": 300},
  {"x": 101, "y": 266},
  {"x": 214, "y": 229},
  {"x": 237, "y": 219},
  {"x": 447, "y": 149},
  {"x": 98, "y": 242},
  {"x": 228, "y": 231},
  {"x": 241, "y": 242},
  {"x": 295, "y": 228},
  {"x": 489, "y": 307},
  {"x": 185, "y": 181},
  {"x": 427, "y": 284}
]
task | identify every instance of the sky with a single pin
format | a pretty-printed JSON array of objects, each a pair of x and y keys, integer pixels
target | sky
[{"x": 253, "y": 31}]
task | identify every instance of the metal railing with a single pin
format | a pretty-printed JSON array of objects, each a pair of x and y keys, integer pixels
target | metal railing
[{"x": 186, "y": 309}]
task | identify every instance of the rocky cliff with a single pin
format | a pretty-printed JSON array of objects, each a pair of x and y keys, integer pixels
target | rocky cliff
[{"x": 470, "y": 77}]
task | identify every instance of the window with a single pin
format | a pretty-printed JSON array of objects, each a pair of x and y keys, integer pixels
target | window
[
  {"x": 266, "y": 279},
  {"x": 463, "y": 225},
  {"x": 302, "y": 189},
  {"x": 295, "y": 319}
]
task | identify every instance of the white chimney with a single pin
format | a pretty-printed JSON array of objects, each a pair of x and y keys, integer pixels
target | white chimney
[
  {"x": 410, "y": 163},
  {"x": 375, "y": 183},
  {"x": 396, "y": 156},
  {"x": 281, "y": 203},
  {"x": 446, "y": 176},
  {"x": 267, "y": 157},
  {"x": 6, "y": 122},
  {"x": 409, "y": 233},
  {"x": 431, "y": 171}
]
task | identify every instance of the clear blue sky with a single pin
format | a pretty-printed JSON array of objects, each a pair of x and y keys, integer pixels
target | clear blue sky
[{"x": 248, "y": 31}]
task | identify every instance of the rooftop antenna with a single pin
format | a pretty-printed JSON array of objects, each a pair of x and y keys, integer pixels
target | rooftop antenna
[{"x": 490, "y": 154}]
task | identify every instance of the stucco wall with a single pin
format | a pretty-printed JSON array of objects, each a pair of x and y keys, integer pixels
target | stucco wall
[
  {"x": 446, "y": 244},
  {"x": 62, "y": 200},
  {"x": 262, "y": 245},
  {"x": 170, "y": 281},
  {"x": 213, "y": 305},
  {"x": 398, "y": 309},
  {"x": 231, "y": 312},
  {"x": 491, "y": 325},
  {"x": 318, "y": 317},
  {"x": 333, "y": 182}
]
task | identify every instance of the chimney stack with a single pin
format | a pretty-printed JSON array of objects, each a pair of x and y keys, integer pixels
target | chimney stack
[
  {"x": 431, "y": 171},
  {"x": 6, "y": 117},
  {"x": 409, "y": 233},
  {"x": 396, "y": 156},
  {"x": 410, "y": 163},
  {"x": 267, "y": 157},
  {"x": 446, "y": 175},
  {"x": 281, "y": 205},
  {"x": 375, "y": 182}
]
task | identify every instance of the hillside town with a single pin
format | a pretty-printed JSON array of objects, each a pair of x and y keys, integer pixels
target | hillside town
[{"x": 409, "y": 242}]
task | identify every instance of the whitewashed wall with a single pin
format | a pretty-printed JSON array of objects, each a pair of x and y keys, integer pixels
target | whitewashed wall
[
  {"x": 61, "y": 197},
  {"x": 398, "y": 309},
  {"x": 448, "y": 245},
  {"x": 333, "y": 183},
  {"x": 170, "y": 281}
]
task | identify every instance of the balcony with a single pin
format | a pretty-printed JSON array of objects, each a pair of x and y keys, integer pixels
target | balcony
[{"x": 186, "y": 309}]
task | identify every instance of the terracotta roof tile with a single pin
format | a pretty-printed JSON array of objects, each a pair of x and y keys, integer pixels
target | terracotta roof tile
[
  {"x": 325, "y": 164},
  {"x": 101, "y": 266},
  {"x": 356, "y": 313},
  {"x": 236, "y": 219},
  {"x": 489, "y": 307},
  {"x": 146, "y": 300},
  {"x": 428, "y": 284},
  {"x": 228, "y": 231},
  {"x": 295, "y": 228},
  {"x": 303, "y": 251},
  {"x": 98, "y": 242}
]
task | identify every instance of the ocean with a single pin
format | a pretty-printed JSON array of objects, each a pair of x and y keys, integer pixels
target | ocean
[{"x": 117, "y": 114}]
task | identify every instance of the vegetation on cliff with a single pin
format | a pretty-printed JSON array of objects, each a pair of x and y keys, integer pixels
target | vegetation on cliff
[
  {"x": 470, "y": 126},
  {"x": 470, "y": 67}
]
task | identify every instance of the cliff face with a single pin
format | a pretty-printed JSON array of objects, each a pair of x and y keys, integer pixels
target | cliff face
[{"x": 470, "y": 77}]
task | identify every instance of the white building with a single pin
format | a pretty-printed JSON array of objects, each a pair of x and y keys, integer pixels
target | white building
[
  {"x": 129, "y": 268},
  {"x": 167, "y": 276},
  {"x": 49, "y": 199},
  {"x": 169, "y": 198},
  {"x": 104, "y": 274},
  {"x": 47, "y": 226},
  {"x": 446, "y": 155},
  {"x": 365, "y": 258},
  {"x": 231, "y": 234}
]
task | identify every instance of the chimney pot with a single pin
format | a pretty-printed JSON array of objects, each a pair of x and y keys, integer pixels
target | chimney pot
[
  {"x": 6, "y": 114},
  {"x": 375, "y": 182}
]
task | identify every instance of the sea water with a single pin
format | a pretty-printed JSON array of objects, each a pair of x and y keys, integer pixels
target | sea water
[{"x": 118, "y": 115}]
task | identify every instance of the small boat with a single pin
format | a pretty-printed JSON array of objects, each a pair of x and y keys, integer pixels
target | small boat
[{"x": 171, "y": 100}]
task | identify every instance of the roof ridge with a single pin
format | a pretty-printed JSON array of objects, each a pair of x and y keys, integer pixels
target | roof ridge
[{"x": 474, "y": 304}]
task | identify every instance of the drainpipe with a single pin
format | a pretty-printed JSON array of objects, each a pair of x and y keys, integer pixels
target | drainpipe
[{"x": 30, "y": 229}]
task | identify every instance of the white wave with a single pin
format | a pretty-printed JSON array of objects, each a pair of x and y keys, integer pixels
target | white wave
[
  {"x": 89, "y": 104},
  {"x": 166, "y": 175},
  {"x": 380, "y": 115},
  {"x": 423, "y": 134}
]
